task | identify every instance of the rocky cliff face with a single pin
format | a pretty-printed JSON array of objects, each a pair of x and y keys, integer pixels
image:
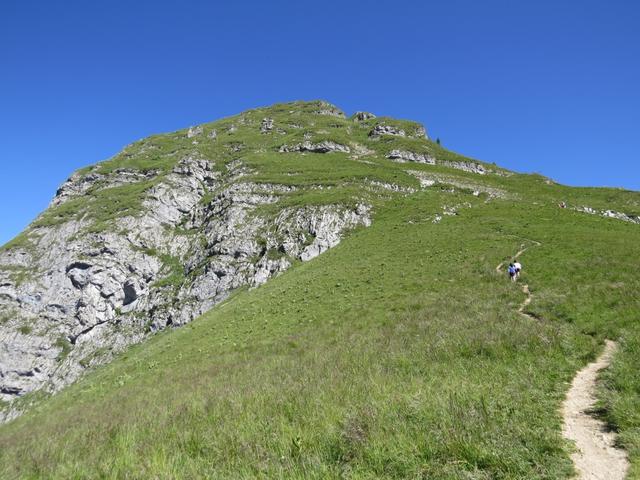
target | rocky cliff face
[
  {"x": 169, "y": 227},
  {"x": 95, "y": 293}
]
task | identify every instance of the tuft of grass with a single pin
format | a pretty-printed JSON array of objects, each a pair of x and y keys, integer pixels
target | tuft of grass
[
  {"x": 6, "y": 316},
  {"x": 175, "y": 272},
  {"x": 65, "y": 347},
  {"x": 25, "y": 329}
]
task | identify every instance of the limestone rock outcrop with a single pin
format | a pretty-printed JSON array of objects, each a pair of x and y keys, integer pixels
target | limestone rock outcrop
[
  {"x": 325, "y": 146},
  {"x": 402, "y": 156},
  {"x": 362, "y": 116},
  {"x": 382, "y": 129},
  {"x": 471, "y": 167},
  {"x": 72, "y": 297}
]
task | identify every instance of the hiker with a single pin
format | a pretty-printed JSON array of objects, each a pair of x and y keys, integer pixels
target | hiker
[
  {"x": 512, "y": 272},
  {"x": 518, "y": 266}
]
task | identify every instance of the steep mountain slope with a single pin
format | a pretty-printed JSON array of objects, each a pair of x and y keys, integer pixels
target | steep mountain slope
[
  {"x": 400, "y": 353},
  {"x": 166, "y": 229}
]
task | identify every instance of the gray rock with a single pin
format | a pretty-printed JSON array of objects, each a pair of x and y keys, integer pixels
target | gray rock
[
  {"x": 471, "y": 167},
  {"x": 393, "y": 187},
  {"x": 402, "y": 156},
  {"x": 325, "y": 108},
  {"x": 322, "y": 225},
  {"x": 200, "y": 235},
  {"x": 610, "y": 214},
  {"x": 382, "y": 129},
  {"x": 621, "y": 216},
  {"x": 326, "y": 146},
  {"x": 421, "y": 132},
  {"x": 194, "y": 131},
  {"x": 267, "y": 125},
  {"x": 362, "y": 116}
]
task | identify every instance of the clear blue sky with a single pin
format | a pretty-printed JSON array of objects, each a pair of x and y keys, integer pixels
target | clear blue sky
[{"x": 545, "y": 86}]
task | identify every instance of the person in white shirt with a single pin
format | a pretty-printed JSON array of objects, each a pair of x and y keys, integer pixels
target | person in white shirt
[{"x": 518, "y": 267}]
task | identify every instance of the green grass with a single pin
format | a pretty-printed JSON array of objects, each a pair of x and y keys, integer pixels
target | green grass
[
  {"x": 397, "y": 354},
  {"x": 6, "y": 316},
  {"x": 25, "y": 329},
  {"x": 19, "y": 274},
  {"x": 100, "y": 207},
  {"x": 175, "y": 274},
  {"x": 23, "y": 241},
  {"x": 65, "y": 348}
]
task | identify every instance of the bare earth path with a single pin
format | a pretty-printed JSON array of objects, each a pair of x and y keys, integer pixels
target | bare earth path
[
  {"x": 596, "y": 458},
  {"x": 525, "y": 287}
]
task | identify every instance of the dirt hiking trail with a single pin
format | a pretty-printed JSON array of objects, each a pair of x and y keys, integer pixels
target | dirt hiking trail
[
  {"x": 596, "y": 457},
  {"x": 525, "y": 287}
]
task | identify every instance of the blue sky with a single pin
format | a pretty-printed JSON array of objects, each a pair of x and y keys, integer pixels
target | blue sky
[{"x": 545, "y": 86}]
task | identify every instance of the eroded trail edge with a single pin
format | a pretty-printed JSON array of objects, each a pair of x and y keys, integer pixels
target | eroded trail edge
[{"x": 595, "y": 458}]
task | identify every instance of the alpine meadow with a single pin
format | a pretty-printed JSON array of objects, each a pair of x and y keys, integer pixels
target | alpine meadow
[{"x": 292, "y": 292}]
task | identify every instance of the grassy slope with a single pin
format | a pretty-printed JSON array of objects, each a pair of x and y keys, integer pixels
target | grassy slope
[{"x": 397, "y": 354}]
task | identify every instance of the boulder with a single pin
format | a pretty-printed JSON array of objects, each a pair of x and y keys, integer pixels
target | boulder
[
  {"x": 362, "y": 116},
  {"x": 267, "y": 125},
  {"x": 194, "y": 131}
]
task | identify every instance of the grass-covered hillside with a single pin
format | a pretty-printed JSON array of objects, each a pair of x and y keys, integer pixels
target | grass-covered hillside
[{"x": 399, "y": 353}]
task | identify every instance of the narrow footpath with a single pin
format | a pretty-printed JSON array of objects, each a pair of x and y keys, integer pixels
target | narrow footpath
[
  {"x": 525, "y": 287},
  {"x": 596, "y": 457}
]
